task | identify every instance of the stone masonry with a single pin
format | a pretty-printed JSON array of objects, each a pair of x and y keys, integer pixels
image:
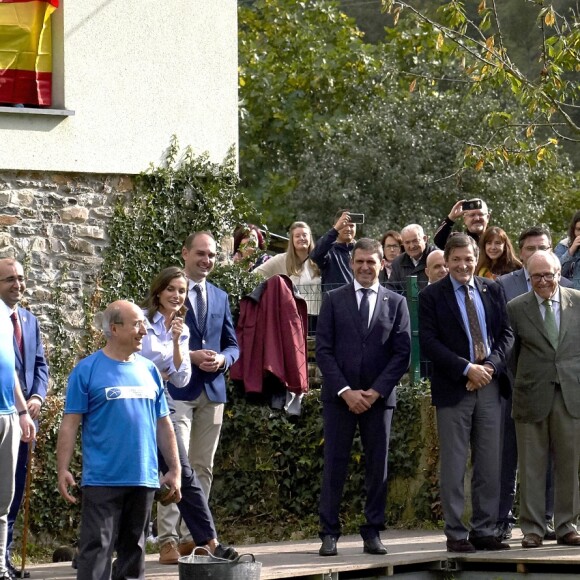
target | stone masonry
[{"x": 56, "y": 225}]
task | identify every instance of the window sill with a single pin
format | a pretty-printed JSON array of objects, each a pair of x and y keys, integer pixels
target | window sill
[{"x": 33, "y": 111}]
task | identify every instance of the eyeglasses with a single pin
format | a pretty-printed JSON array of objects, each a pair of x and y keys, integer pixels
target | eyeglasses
[
  {"x": 547, "y": 277},
  {"x": 136, "y": 325},
  {"x": 12, "y": 279},
  {"x": 393, "y": 247}
]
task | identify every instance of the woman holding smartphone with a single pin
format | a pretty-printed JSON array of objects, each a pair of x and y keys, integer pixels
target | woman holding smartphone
[{"x": 167, "y": 346}]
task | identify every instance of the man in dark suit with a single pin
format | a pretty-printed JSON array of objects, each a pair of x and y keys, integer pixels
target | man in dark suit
[
  {"x": 32, "y": 374},
  {"x": 464, "y": 332},
  {"x": 413, "y": 260},
  {"x": 546, "y": 399},
  {"x": 513, "y": 285},
  {"x": 362, "y": 349},
  {"x": 199, "y": 407}
]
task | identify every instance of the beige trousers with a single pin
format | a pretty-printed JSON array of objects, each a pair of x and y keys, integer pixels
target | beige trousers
[{"x": 198, "y": 424}]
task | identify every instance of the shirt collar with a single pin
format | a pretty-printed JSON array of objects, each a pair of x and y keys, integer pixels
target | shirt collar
[
  {"x": 457, "y": 285},
  {"x": 374, "y": 287},
  {"x": 192, "y": 284},
  {"x": 554, "y": 298}
]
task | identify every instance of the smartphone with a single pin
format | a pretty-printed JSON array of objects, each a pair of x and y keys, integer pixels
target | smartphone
[
  {"x": 471, "y": 204},
  {"x": 357, "y": 218}
]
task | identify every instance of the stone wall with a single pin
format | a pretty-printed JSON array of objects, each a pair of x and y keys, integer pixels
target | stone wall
[{"x": 56, "y": 225}]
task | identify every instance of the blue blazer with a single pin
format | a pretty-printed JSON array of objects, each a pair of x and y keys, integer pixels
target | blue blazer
[
  {"x": 445, "y": 342},
  {"x": 220, "y": 336},
  {"x": 348, "y": 356},
  {"x": 33, "y": 370}
]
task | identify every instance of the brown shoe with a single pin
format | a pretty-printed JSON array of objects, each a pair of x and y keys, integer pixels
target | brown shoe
[
  {"x": 569, "y": 539},
  {"x": 168, "y": 553},
  {"x": 185, "y": 548},
  {"x": 532, "y": 541}
]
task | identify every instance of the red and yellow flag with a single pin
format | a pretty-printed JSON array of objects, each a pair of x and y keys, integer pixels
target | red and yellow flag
[{"x": 26, "y": 51}]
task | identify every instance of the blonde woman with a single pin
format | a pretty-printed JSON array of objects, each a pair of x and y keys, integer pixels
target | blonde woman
[{"x": 296, "y": 264}]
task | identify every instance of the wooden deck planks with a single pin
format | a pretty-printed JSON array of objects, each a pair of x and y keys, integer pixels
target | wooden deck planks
[{"x": 407, "y": 548}]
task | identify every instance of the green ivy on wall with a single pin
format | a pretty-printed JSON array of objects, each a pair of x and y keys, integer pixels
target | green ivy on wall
[{"x": 187, "y": 193}]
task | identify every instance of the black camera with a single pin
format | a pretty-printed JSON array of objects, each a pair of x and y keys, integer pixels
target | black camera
[
  {"x": 357, "y": 218},
  {"x": 471, "y": 204}
]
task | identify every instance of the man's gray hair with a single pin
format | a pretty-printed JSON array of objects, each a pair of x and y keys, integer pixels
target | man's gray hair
[
  {"x": 547, "y": 255},
  {"x": 413, "y": 228},
  {"x": 111, "y": 315}
]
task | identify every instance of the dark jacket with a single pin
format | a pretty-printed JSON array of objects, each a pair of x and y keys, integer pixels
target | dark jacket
[
  {"x": 333, "y": 259},
  {"x": 271, "y": 332},
  {"x": 444, "y": 231},
  {"x": 444, "y": 338},
  {"x": 349, "y": 356},
  {"x": 403, "y": 267}
]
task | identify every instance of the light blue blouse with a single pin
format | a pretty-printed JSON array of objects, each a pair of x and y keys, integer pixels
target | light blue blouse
[{"x": 158, "y": 348}]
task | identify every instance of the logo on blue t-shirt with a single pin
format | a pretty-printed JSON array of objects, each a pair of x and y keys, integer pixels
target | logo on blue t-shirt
[{"x": 131, "y": 392}]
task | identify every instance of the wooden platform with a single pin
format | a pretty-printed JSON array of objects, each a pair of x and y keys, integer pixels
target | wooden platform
[{"x": 412, "y": 554}]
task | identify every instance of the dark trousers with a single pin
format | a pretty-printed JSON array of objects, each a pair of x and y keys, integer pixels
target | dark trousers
[
  {"x": 19, "y": 485},
  {"x": 339, "y": 429},
  {"x": 113, "y": 518},
  {"x": 193, "y": 505}
]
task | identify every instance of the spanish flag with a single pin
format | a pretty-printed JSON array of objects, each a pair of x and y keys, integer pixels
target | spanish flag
[{"x": 26, "y": 51}]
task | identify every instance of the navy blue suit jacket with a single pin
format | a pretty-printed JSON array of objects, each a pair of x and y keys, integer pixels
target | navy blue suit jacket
[
  {"x": 444, "y": 339},
  {"x": 33, "y": 370},
  {"x": 220, "y": 336},
  {"x": 348, "y": 356}
]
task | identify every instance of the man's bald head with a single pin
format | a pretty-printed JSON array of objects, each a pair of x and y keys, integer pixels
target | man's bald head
[{"x": 435, "y": 266}]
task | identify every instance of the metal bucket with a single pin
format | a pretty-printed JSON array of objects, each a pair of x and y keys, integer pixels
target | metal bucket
[{"x": 197, "y": 567}]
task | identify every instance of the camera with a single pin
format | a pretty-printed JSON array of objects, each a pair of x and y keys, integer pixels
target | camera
[
  {"x": 357, "y": 218},
  {"x": 471, "y": 204}
]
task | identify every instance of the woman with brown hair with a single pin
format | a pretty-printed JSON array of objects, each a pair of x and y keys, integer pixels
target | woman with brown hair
[
  {"x": 167, "y": 346},
  {"x": 496, "y": 254},
  {"x": 248, "y": 240}
]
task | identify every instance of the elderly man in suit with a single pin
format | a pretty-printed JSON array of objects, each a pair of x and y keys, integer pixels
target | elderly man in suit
[
  {"x": 546, "y": 399},
  {"x": 515, "y": 284},
  {"x": 32, "y": 374},
  {"x": 362, "y": 349},
  {"x": 464, "y": 332},
  {"x": 199, "y": 406}
]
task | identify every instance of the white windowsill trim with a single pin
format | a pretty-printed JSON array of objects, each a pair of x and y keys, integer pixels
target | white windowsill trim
[{"x": 32, "y": 111}]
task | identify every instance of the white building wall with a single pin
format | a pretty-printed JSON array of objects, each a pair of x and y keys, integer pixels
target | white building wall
[{"x": 135, "y": 72}]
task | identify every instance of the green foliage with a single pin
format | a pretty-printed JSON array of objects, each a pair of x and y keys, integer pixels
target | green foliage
[
  {"x": 50, "y": 514},
  {"x": 268, "y": 468},
  {"x": 397, "y": 162},
  {"x": 301, "y": 65},
  {"x": 477, "y": 37},
  {"x": 186, "y": 194}
]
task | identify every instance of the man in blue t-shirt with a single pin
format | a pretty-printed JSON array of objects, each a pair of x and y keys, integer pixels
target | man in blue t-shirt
[
  {"x": 13, "y": 427},
  {"x": 118, "y": 397}
]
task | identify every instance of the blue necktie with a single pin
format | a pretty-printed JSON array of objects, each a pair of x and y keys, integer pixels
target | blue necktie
[
  {"x": 201, "y": 308},
  {"x": 364, "y": 308}
]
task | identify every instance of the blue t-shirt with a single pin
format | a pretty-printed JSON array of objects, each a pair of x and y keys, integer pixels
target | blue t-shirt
[
  {"x": 120, "y": 403},
  {"x": 7, "y": 361}
]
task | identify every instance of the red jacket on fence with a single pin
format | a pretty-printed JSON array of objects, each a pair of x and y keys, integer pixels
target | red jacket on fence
[{"x": 271, "y": 332}]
